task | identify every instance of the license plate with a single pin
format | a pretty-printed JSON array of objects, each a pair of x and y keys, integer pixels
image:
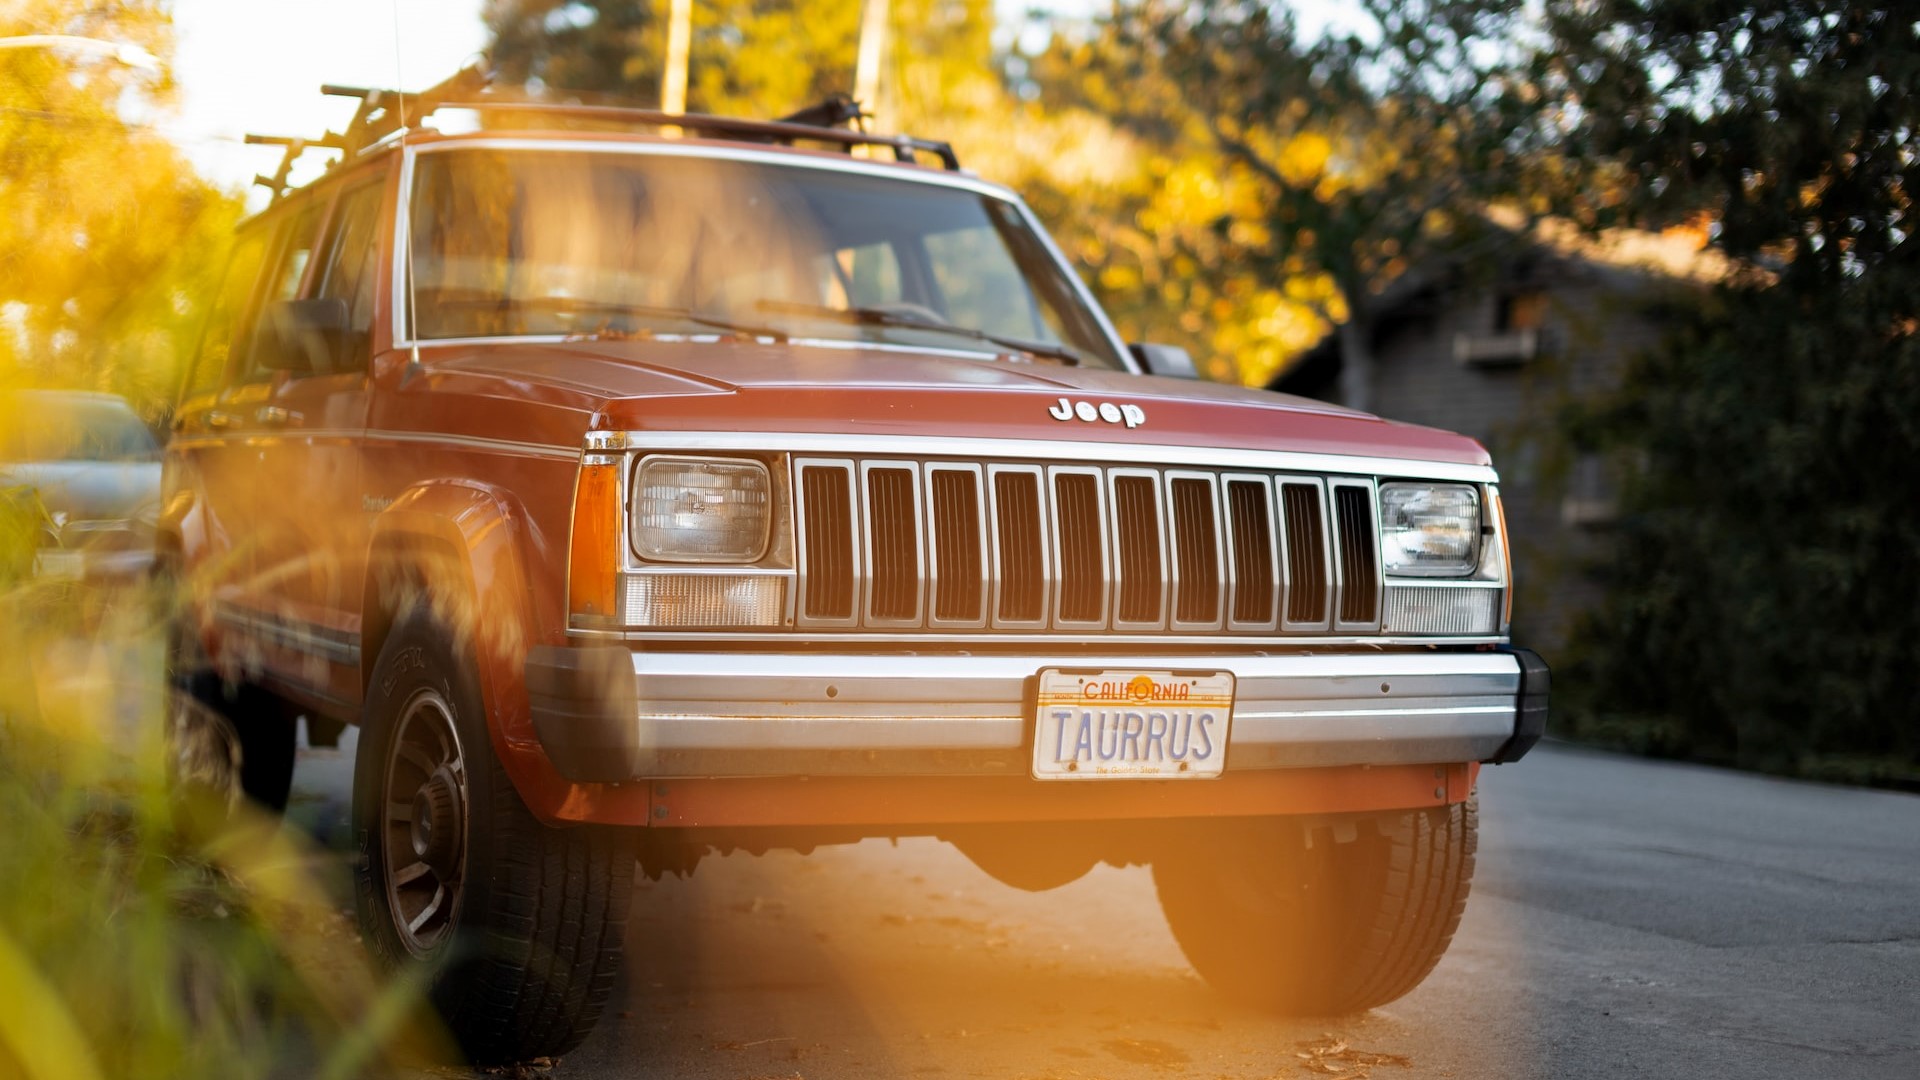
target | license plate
[
  {"x": 60, "y": 565},
  {"x": 1131, "y": 723}
]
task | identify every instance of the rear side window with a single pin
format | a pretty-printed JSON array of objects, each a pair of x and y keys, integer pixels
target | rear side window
[
  {"x": 350, "y": 267},
  {"x": 283, "y": 282},
  {"x": 217, "y": 341}
]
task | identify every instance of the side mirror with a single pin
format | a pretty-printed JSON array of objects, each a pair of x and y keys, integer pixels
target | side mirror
[
  {"x": 306, "y": 336},
  {"x": 1171, "y": 361}
]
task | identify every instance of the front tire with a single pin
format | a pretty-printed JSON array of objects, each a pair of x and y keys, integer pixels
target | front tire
[
  {"x": 521, "y": 924},
  {"x": 1321, "y": 930}
]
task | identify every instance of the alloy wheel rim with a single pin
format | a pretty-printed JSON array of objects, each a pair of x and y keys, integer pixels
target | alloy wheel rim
[{"x": 424, "y": 819}]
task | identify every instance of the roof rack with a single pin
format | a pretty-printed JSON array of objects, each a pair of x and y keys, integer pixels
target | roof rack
[{"x": 836, "y": 121}]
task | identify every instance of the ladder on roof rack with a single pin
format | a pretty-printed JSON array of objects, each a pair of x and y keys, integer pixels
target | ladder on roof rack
[{"x": 833, "y": 122}]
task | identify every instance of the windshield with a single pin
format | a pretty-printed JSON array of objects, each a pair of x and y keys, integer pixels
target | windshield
[
  {"x": 567, "y": 242},
  {"x": 39, "y": 426}
]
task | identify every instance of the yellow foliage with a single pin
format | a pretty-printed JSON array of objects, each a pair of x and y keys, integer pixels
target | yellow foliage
[
  {"x": 1304, "y": 158},
  {"x": 107, "y": 237}
]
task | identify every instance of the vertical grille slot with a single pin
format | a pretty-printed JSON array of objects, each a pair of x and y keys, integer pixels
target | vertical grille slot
[
  {"x": 1359, "y": 565},
  {"x": 1251, "y": 530},
  {"x": 959, "y": 586},
  {"x": 1196, "y": 549},
  {"x": 1019, "y": 547},
  {"x": 1306, "y": 532},
  {"x": 893, "y": 545},
  {"x": 1137, "y": 531},
  {"x": 826, "y": 495},
  {"x": 1082, "y": 551}
]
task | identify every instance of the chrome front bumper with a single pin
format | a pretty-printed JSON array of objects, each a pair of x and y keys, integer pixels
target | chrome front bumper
[{"x": 604, "y": 713}]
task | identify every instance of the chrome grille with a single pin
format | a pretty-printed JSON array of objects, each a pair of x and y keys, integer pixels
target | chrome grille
[
  {"x": 1255, "y": 561},
  {"x": 826, "y": 541},
  {"x": 1136, "y": 536},
  {"x": 894, "y": 569},
  {"x": 888, "y": 543},
  {"x": 1080, "y": 543},
  {"x": 1302, "y": 512},
  {"x": 1019, "y": 557},
  {"x": 1359, "y": 555},
  {"x": 1197, "y": 586},
  {"x": 958, "y": 536}
]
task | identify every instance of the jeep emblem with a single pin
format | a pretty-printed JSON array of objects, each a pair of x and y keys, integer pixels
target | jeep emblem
[{"x": 1132, "y": 415}]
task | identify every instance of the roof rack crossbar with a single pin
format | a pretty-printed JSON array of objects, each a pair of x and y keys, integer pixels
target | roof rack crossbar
[
  {"x": 294, "y": 147},
  {"x": 903, "y": 146},
  {"x": 380, "y": 112}
]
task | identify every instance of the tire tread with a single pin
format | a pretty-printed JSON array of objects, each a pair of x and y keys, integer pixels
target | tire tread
[
  {"x": 1385, "y": 914},
  {"x": 545, "y": 955}
]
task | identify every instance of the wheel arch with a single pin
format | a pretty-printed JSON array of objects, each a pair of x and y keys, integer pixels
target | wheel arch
[{"x": 465, "y": 549}]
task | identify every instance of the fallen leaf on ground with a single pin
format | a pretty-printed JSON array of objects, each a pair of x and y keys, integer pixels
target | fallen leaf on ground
[
  {"x": 1331, "y": 1056},
  {"x": 1146, "y": 1051}
]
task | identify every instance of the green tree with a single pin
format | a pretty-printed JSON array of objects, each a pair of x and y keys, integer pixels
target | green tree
[
  {"x": 756, "y": 58},
  {"x": 1321, "y": 170},
  {"x": 748, "y": 57},
  {"x": 108, "y": 239},
  {"x": 1760, "y": 606}
]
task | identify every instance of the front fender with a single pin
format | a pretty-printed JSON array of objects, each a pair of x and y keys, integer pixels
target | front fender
[{"x": 471, "y": 551}]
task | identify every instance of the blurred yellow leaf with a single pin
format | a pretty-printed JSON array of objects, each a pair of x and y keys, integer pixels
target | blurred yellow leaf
[{"x": 37, "y": 1034}]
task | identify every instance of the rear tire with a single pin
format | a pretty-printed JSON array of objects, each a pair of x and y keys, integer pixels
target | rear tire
[
  {"x": 1325, "y": 930},
  {"x": 522, "y": 924},
  {"x": 232, "y": 740},
  {"x": 225, "y": 739}
]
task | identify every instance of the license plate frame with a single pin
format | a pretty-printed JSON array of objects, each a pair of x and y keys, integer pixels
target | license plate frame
[{"x": 1080, "y": 712}]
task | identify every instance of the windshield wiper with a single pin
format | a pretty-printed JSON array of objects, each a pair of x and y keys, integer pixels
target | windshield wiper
[
  {"x": 869, "y": 316},
  {"x": 698, "y": 318},
  {"x": 568, "y": 305}
]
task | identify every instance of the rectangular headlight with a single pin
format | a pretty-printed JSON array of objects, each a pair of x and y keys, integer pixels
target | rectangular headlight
[
  {"x": 688, "y": 509},
  {"x": 1430, "y": 530}
]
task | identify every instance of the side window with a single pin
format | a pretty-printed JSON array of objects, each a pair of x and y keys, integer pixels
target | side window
[
  {"x": 283, "y": 283},
  {"x": 349, "y": 269},
  {"x": 217, "y": 340}
]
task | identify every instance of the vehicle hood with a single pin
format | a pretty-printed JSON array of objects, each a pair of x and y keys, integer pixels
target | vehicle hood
[
  {"x": 741, "y": 387},
  {"x": 89, "y": 490}
]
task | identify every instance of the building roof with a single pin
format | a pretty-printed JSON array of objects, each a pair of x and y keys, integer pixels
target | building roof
[{"x": 1679, "y": 254}]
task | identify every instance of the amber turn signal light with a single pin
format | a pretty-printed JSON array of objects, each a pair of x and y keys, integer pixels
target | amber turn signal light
[{"x": 593, "y": 561}]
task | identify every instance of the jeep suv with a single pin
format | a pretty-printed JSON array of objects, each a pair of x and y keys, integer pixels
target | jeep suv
[{"x": 645, "y": 485}]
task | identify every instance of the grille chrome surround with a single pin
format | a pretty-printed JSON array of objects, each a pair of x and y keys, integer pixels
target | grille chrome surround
[
  {"x": 1357, "y": 584},
  {"x": 896, "y": 549},
  {"x": 889, "y": 543},
  {"x": 957, "y": 581},
  {"x": 1306, "y": 554},
  {"x": 1253, "y": 555},
  {"x": 1200, "y": 583},
  {"x": 1083, "y": 574},
  {"x": 831, "y": 554}
]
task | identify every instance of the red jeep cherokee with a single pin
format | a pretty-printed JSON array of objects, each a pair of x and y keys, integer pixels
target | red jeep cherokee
[{"x": 661, "y": 491}]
